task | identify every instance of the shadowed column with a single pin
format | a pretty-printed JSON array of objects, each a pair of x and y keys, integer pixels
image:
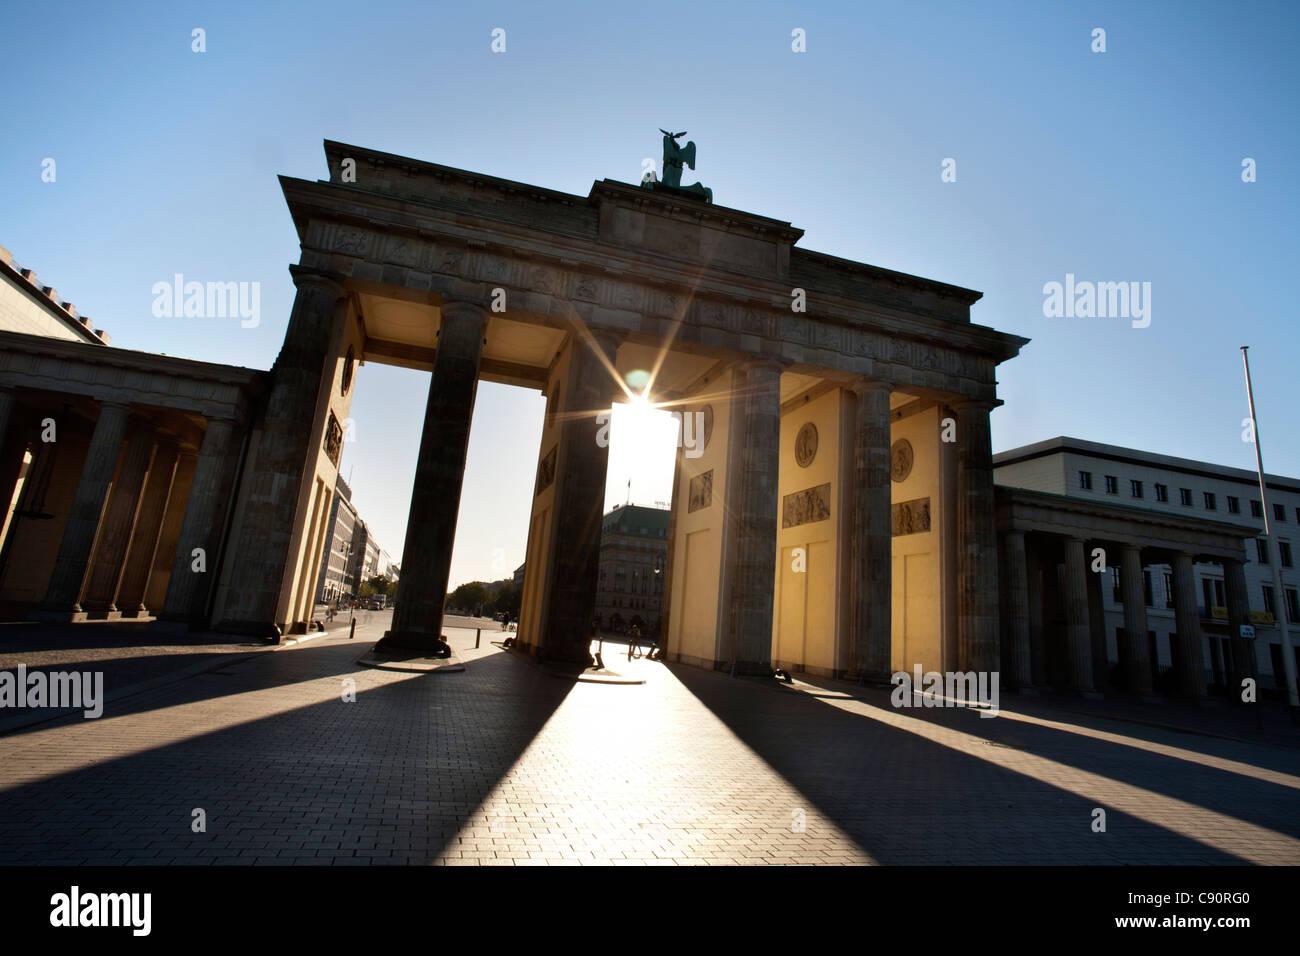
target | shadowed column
[
  {"x": 148, "y": 526},
  {"x": 1133, "y": 594},
  {"x": 1097, "y": 627},
  {"x": 187, "y": 586},
  {"x": 977, "y": 562},
  {"x": 1077, "y": 630},
  {"x": 872, "y": 542},
  {"x": 87, "y": 507},
  {"x": 1017, "y": 585},
  {"x": 439, "y": 475},
  {"x": 757, "y": 505},
  {"x": 285, "y": 452},
  {"x": 118, "y": 525},
  {"x": 1187, "y": 618},
  {"x": 573, "y": 577},
  {"x": 1037, "y": 639},
  {"x": 1243, "y": 649}
]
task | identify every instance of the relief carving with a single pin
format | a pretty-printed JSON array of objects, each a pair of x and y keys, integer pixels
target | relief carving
[
  {"x": 701, "y": 493},
  {"x": 911, "y": 517},
  {"x": 806, "y": 507}
]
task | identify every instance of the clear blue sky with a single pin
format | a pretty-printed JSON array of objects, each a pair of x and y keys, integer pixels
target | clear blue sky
[{"x": 1122, "y": 166}]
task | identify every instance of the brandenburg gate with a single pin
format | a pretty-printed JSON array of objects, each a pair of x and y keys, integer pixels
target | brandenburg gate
[{"x": 840, "y": 518}]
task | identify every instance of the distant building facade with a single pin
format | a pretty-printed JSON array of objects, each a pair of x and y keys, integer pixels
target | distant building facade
[
  {"x": 1188, "y": 537},
  {"x": 633, "y": 556}
]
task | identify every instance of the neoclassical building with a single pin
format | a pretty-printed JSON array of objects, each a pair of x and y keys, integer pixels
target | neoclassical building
[
  {"x": 839, "y": 519},
  {"x": 1129, "y": 571}
]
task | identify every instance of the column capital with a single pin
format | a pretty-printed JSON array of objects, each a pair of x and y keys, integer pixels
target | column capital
[
  {"x": 454, "y": 307},
  {"x": 305, "y": 277},
  {"x": 861, "y": 385},
  {"x": 966, "y": 404},
  {"x": 773, "y": 362}
]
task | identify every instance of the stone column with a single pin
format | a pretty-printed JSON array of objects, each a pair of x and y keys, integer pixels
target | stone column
[
  {"x": 1133, "y": 595},
  {"x": 753, "y": 571},
  {"x": 287, "y": 449},
  {"x": 871, "y": 544},
  {"x": 12, "y": 448},
  {"x": 977, "y": 561},
  {"x": 1243, "y": 650},
  {"x": 1037, "y": 641},
  {"x": 1078, "y": 634},
  {"x": 70, "y": 566},
  {"x": 1187, "y": 618},
  {"x": 6, "y": 412},
  {"x": 579, "y": 505},
  {"x": 187, "y": 588},
  {"x": 1015, "y": 579},
  {"x": 439, "y": 475},
  {"x": 1097, "y": 626},
  {"x": 119, "y": 522},
  {"x": 666, "y": 601},
  {"x": 144, "y": 543}
]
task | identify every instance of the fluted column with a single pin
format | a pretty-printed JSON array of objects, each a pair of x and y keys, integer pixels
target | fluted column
[
  {"x": 1078, "y": 634},
  {"x": 572, "y": 577},
  {"x": 754, "y": 563},
  {"x": 1187, "y": 618},
  {"x": 148, "y": 526},
  {"x": 439, "y": 476},
  {"x": 6, "y": 412},
  {"x": 118, "y": 526},
  {"x": 288, "y": 447},
  {"x": 1133, "y": 595},
  {"x": 1243, "y": 649},
  {"x": 977, "y": 565},
  {"x": 1037, "y": 640},
  {"x": 1015, "y": 578},
  {"x": 871, "y": 545},
  {"x": 188, "y": 587},
  {"x": 1097, "y": 626},
  {"x": 87, "y": 507}
]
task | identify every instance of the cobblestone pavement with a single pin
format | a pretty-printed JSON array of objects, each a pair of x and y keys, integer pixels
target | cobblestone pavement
[{"x": 506, "y": 764}]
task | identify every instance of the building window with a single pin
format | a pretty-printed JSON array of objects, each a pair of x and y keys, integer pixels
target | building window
[
  {"x": 1085, "y": 480},
  {"x": 1210, "y": 503},
  {"x": 1234, "y": 505},
  {"x": 1261, "y": 550},
  {"x": 1169, "y": 589},
  {"x": 1270, "y": 605},
  {"x": 1292, "y": 607},
  {"x": 1185, "y": 496},
  {"x": 1284, "y": 551},
  {"x": 1162, "y": 493},
  {"x": 1256, "y": 509},
  {"x": 1112, "y": 485},
  {"x": 1115, "y": 593},
  {"x": 1135, "y": 488},
  {"x": 1279, "y": 512},
  {"x": 1297, "y": 515},
  {"x": 1146, "y": 589}
]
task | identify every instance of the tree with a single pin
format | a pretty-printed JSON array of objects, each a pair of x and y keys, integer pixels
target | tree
[
  {"x": 469, "y": 596},
  {"x": 380, "y": 585}
]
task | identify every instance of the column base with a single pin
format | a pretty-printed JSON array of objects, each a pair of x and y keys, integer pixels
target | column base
[
  {"x": 752, "y": 669},
  {"x": 412, "y": 644}
]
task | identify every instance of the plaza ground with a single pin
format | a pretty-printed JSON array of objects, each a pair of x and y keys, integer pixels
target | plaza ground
[{"x": 506, "y": 764}]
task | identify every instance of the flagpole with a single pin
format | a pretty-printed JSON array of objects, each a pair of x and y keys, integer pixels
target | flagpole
[{"x": 1275, "y": 554}]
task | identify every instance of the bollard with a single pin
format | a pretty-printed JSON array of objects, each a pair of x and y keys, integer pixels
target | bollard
[
  {"x": 478, "y": 632},
  {"x": 352, "y": 631}
]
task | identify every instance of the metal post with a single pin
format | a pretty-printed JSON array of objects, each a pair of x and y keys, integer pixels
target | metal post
[
  {"x": 478, "y": 632},
  {"x": 1275, "y": 559},
  {"x": 352, "y": 631}
]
